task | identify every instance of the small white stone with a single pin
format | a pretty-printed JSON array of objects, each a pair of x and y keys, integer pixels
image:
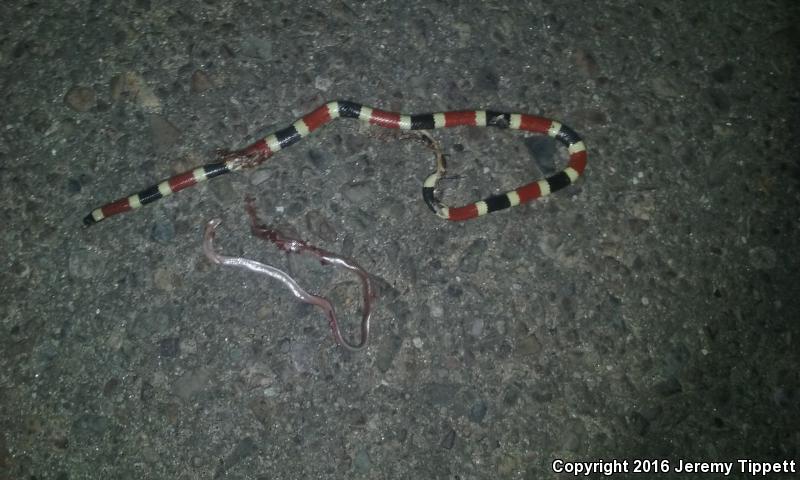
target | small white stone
[
  {"x": 417, "y": 342},
  {"x": 271, "y": 391},
  {"x": 323, "y": 83},
  {"x": 477, "y": 327}
]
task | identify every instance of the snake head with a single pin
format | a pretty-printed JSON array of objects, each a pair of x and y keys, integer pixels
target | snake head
[{"x": 208, "y": 240}]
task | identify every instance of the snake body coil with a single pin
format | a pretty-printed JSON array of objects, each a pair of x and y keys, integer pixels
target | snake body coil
[{"x": 259, "y": 151}]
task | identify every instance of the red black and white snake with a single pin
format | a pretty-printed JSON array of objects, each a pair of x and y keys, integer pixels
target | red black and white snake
[{"x": 259, "y": 151}]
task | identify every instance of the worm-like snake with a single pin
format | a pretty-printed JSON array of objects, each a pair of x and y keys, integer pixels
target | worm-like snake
[{"x": 291, "y": 245}]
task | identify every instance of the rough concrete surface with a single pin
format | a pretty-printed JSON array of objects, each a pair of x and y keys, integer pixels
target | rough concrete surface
[{"x": 649, "y": 311}]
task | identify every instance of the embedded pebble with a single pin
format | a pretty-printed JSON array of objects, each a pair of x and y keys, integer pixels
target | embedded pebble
[
  {"x": 200, "y": 82},
  {"x": 163, "y": 231},
  {"x": 387, "y": 353},
  {"x": 148, "y": 101},
  {"x": 89, "y": 425},
  {"x": 476, "y": 329},
  {"x": 40, "y": 121},
  {"x": 477, "y": 412},
  {"x": 271, "y": 391},
  {"x": 719, "y": 100},
  {"x": 147, "y": 392},
  {"x": 529, "y": 345},
  {"x": 550, "y": 246},
  {"x": 260, "y": 176},
  {"x": 84, "y": 264},
  {"x": 586, "y": 63},
  {"x": 639, "y": 423},
  {"x": 74, "y": 185},
  {"x": 163, "y": 133},
  {"x": 723, "y": 74},
  {"x": 573, "y": 435},
  {"x": 319, "y": 158},
  {"x": 763, "y": 258},
  {"x": 80, "y": 99},
  {"x": 244, "y": 449},
  {"x": 169, "y": 347},
  {"x": 664, "y": 87},
  {"x": 319, "y": 225},
  {"x": 256, "y": 47},
  {"x": 323, "y": 83},
  {"x": 361, "y": 462},
  {"x": 126, "y": 84},
  {"x": 295, "y": 208},
  {"x": 165, "y": 279},
  {"x": 157, "y": 321},
  {"x": 190, "y": 383},
  {"x": 449, "y": 439},
  {"x": 454, "y": 291},
  {"x": 587, "y": 116},
  {"x": 20, "y": 269},
  {"x": 359, "y": 193},
  {"x": 131, "y": 85},
  {"x": 473, "y": 254},
  {"x": 507, "y": 465},
  {"x": 645, "y": 206},
  {"x": 224, "y": 192},
  {"x": 543, "y": 150},
  {"x": 302, "y": 356},
  {"x": 111, "y": 386},
  {"x": 440, "y": 394},
  {"x": 463, "y": 33},
  {"x": 188, "y": 346},
  {"x": 668, "y": 387},
  {"x": 487, "y": 80}
]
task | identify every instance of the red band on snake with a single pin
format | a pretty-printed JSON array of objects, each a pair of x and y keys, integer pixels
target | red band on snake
[{"x": 261, "y": 150}]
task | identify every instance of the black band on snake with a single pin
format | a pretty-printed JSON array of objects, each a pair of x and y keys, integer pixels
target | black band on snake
[{"x": 261, "y": 150}]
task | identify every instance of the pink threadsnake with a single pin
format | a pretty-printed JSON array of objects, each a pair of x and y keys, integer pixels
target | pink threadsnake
[{"x": 291, "y": 245}]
